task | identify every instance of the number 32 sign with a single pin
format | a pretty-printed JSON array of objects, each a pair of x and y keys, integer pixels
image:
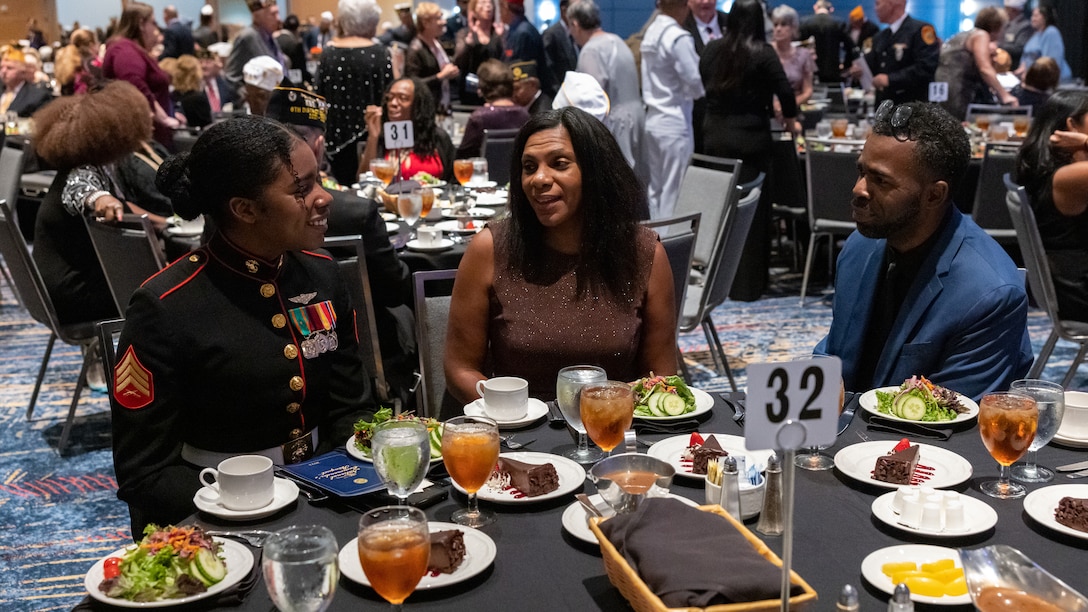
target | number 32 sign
[{"x": 793, "y": 404}]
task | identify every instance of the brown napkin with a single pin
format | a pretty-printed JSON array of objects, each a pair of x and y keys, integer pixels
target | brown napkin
[{"x": 692, "y": 558}]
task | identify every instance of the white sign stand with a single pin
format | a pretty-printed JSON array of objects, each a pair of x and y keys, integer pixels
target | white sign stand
[{"x": 791, "y": 405}]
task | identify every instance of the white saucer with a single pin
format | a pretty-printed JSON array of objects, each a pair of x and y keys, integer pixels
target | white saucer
[
  {"x": 1070, "y": 441},
  {"x": 451, "y": 226},
  {"x": 537, "y": 410},
  {"x": 479, "y": 554},
  {"x": 286, "y": 492},
  {"x": 392, "y": 228},
  {"x": 414, "y": 245},
  {"x": 388, "y": 216},
  {"x": 480, "y": 184},
  {"x": 576, "y": 520},
  {"x": 978, "y": 514},
  {"x": 492, "y": 199}
]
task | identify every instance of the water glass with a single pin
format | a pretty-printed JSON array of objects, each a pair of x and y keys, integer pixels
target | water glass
[
  {"x": 470, "y": 448},
  {"x": 1050, "y": 399},
  {"x": 410, "y": 207},
  {"x": 568, "y": 385},
  {"x": 1007, "y": 423},
  {"x": 300, "y": 568},
  {"x": 823, "y": 129},
  {"x": 479, "y": 170},
  {"x": 402, "y": 454},
  {"x": 394, "y": 549}
]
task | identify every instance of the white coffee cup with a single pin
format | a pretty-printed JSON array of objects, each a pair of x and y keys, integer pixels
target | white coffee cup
[
  {"x": 1075, "y": 421},
  {"x": 429, "y": 236},
  {"x": 244, "y": 482},
  {"x": 506, "y": 398}
]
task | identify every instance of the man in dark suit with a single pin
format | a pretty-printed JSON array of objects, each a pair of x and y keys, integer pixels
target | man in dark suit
[
  {"x": 920, "y": 288},
  {"x": 521, "y": 42},
  {"x": 205, "y": 35},
  {"x": 291, "y": 45},
  {"x": 527, "y": 88},
  {"x": 706, "y": 23},
  {"x": 904, "y": 56},
  {"x": 218, "y": 90},
  {"x": 177, "y": 38},
  {"x": 559, "y": 49},
  {"x": 834, "y": 48},
  {"x": 19, "y": 95}
]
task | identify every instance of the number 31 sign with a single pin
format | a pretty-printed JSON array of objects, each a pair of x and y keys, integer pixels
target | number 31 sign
[
  {"x": 398, "y": 135},
  {"x": 793, "y": 404}
]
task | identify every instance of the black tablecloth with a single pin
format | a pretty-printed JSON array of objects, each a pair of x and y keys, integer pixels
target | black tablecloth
[{"x": 540, "y": 567}]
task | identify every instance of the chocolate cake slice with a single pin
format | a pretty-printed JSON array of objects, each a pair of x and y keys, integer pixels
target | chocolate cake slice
[
  {"x": 1073, "y": 513},
  {"x": 532, "y": 480},
  {"x": 897, "y": 467},
  {"x": 702, "y": 455},
  {"x": 447, "y": 551}
]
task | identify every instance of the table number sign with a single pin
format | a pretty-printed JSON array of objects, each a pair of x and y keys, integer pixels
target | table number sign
[
  {"x": 938, "y": 91},
  {"x": 399, "y": 135},
  {"x": 793, "y": 404}
]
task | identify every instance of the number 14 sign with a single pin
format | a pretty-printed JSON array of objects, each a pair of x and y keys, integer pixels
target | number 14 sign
[{"x": 793, "y": 404}]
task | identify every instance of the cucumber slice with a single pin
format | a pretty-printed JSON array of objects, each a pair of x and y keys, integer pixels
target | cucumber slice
[
  {"x": 436, "y": 442},
  {"x": 210, "y": 569},
  {"x": 910, "y": 407},
  {"x": 673, "y": 405},
  {"x": 655, "y": 403}
]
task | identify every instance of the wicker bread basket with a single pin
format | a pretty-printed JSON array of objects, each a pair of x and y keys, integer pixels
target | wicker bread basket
[{"x": 626, "y": 579}]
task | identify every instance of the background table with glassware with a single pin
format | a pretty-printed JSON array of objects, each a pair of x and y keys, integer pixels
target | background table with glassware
[{"x": 539, "y": 566}]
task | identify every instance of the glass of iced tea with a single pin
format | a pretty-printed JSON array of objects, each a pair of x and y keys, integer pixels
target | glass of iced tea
[
  {"x": 983, "y": 123},
  {"x": 1007, "y": 424},
  {"x": 839, "y": 127},
  {"x": 383, "y": 170},
  {"x": 1020, "y": 125},
  {"x": 470, "y": 448},
  {"x": 426, "y": 197},
  {"x": 394, "y": 548},
  {"x": 607, "y": 410}
]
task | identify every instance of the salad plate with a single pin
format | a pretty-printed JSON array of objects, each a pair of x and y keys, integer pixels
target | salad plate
[
  {"x": 703, "y": 404},
  {"x": 571, "y": 478},
  {"x": 937, "y": 467},
  {"x": 671, "y": 451},
  {"x": 498, "y": 198},
  {"x": 285, "y": 492},
  {"x": 1040, "y": 505},
  {"x": 575, "y": 518},
  {"x": 236, "y": 556},
  {"x": 391, "y": 228},
  {"x": 479, "y": 554},
  {"x": 869, "y": 403},
  {"x": 450, "y": 225},
  {"x": 416, "y": 245},
  {"x": 476, "y": 212},
  {"x": 917, "y": 553},
  {"x": 537, "y": 411},
  {"x": 978, "y": 514},
  {"x": 358, "y": 454}
]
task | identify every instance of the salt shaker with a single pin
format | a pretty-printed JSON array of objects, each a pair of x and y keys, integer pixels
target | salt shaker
[
  {"x": 848, "y": 599},
  {"x": 770, "y": 516},
  {"x": 730, "y": 488},
  {"x": 900, "y": 601}
]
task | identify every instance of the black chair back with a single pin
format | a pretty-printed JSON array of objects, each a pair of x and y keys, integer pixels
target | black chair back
[
  {"x": 432, "y": 302},
  {"x": 129, "y": 253},
  {"x": 678, "y": 240},
  {"x": 498, "y": 149}
]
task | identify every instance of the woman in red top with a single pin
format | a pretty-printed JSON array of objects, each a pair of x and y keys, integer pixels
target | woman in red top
[
  {"x": 408, "y": 99},
  {"x": 127, "y": 58}
]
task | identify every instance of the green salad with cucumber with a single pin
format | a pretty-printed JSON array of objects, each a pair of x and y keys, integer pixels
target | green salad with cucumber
[
  {"x": 918, "y": 399},
  {"x": 166, "y": 564},
  {"x": 364, "y": 430},
  {"x": 662, "y": 396}
]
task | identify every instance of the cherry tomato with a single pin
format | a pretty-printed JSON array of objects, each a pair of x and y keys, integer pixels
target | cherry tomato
[{"x": 111, "y": 568}]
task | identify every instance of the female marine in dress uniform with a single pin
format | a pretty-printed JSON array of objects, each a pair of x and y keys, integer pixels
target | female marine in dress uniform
[{"x": 245, "y": 346}]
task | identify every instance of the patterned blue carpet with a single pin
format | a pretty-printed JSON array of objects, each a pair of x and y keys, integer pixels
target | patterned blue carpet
[{"x": 60, "y": 514}]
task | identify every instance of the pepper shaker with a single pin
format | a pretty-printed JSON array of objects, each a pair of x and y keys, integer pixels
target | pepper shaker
[{"x": 770, "y": 516}]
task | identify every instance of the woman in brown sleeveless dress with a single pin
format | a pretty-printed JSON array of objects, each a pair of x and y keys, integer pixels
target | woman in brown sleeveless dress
[{"x": 570, "y": 277}]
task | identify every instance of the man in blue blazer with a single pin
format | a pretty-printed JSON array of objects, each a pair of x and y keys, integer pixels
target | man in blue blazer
[{"x": 920, "y": 288}]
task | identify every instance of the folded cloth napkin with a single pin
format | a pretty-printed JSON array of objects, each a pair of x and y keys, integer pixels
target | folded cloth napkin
[
  {"x": 688, "y": 557},
  {"x": 232, "y": 597},
  {"x": 917, "y": 430},
  {"x": 673, "y": 427}
]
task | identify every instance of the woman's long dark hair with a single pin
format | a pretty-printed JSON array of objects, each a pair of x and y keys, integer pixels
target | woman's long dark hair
[
  {"x": 1037, "y": 160},
  {"x": 742, "y": 38},
  {"x": 612, "y": 195},
  {"x": 425, "y": 130}
]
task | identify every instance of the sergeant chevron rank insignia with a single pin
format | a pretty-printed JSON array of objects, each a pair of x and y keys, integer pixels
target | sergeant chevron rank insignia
[{"x": 133, "y": 385}]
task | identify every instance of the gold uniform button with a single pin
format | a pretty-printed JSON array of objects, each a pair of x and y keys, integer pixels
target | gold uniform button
[
  {"x": 296, "y": 433},
  {"x": 296, "y": 383},
  {"x": 268, "y": 290},
  {"x": 278, "y": 321},
  {"x": 290, "y": 351},
  {"x": 293, "y": 407},
  {"x": 194, "y": 258}
]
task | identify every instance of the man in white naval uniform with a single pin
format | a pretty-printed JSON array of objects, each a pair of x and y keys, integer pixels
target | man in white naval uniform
[{"x": 670, "y": 85}]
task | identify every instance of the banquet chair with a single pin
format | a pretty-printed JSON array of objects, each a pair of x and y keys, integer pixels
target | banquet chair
[
  {"x": 354, "y": 274},
  {"x": 432, "y": 302},
  {"x": 1042, "y": 284},
  {"x": 701, "y": 301},
  {"x": 498, "y": 149},
  {"x": 129, "y": 253},
  {"x": 973, "y": 110},
  {"x": 35, "y": 298},
  {"x": 11, "y": 171},
  {"x": 988, "y": 210},
  {"x": 109, "y": 333},
  {"x": 831, "y": 178},
  {"x": 679, "y": 244},
  {"x": 708, "y": 184}
]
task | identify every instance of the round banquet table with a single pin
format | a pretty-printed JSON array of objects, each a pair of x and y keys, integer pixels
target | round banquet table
[{"x": 540, "y": 567}]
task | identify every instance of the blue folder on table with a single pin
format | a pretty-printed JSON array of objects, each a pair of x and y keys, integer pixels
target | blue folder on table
[{"x": 339, "y": 474}]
